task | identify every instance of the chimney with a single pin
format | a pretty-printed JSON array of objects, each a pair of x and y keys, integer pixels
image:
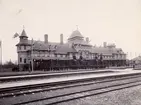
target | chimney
[
  {"x": 87, "y": 39},
  {"x": 104, "y": 44},
  {"x": 61, "y": 38},
  {"x": 46, "y": 38}
]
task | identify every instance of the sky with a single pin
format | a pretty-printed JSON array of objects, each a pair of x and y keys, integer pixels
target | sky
[{"x": 111, "y": 21}]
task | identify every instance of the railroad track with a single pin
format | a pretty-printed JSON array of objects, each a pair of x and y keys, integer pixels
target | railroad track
[{"x": 66, "y": 91}]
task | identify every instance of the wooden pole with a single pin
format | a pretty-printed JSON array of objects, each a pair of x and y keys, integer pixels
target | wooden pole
[
  {"x": 32, "y": 56},
  {"x": 1, "y": 53}
]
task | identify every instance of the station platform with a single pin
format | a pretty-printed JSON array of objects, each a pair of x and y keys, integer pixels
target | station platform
[
  {"x": 67, "y": 78},
  {"x": 19, "y": 73}
]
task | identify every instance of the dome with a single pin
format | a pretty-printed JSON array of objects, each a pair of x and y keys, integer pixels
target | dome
[{"x": 76, "y": 33}]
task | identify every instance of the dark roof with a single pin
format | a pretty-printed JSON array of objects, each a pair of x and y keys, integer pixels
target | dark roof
[
  {"x": 51, "y": 58},
  {"x": 106, "y": 50},
  {"x": 57, "y": 47},
  {"x": 23, "y": 43},
  {"x": 40, "y": 45},
  {"x": 64, "y": 49},
  {"x": 23, "y": 34}
]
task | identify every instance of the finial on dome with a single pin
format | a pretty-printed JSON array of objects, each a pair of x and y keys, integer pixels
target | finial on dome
[{"x": 77, "y": 27}]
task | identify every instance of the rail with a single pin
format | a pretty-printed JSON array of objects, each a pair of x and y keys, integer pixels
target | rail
[{"x": 68, "y": 90}]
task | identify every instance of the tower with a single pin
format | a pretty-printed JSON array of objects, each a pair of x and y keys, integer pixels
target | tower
[
  {"x": 23, "y": 37},
  {"x": 22, "y": 49}
]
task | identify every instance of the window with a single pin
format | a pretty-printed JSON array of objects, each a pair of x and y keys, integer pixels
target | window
[
  {"x": 24, "y": 60},
  {"x": 20, "y": 59},
  {"x": 24, "y": 47},
  {"x": 19, "y": 47},
  {"x": 74, "y": 57}
]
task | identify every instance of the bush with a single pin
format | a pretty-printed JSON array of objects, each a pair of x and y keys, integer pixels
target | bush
[
  {"x": 15, "y": 68},
  {"x": 10, "y": 65}
]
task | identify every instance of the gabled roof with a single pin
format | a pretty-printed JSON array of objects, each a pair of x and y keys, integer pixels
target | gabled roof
[
  {"x": 57, "y": 47},
  {"x": 64, "y": 49},
  {"x": 102, "y": 50},
  {"x": 40, "y": 45},
  {"x": 75, "y": 33},
  {"x": 106, "y": 50}
]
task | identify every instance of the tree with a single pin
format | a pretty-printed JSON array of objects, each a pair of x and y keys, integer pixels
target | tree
[{"x": 10, "y": 65}]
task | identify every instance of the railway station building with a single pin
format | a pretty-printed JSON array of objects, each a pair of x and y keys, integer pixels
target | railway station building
[{"x": 46, "y": 55}]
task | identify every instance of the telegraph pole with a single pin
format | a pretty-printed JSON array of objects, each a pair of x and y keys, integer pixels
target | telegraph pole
[
  {"x": 32, "y": 55},
  {"x": 1, "y": 53}
]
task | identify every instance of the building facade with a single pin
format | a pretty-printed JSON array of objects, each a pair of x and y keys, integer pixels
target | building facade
[{"x": 77, "y": 47}]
